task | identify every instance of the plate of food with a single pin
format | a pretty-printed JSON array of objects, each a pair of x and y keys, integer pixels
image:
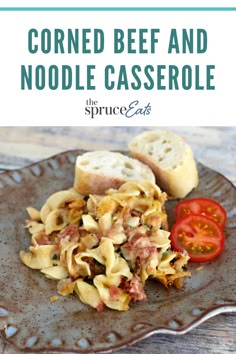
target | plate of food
[{"x": 101, "y": 249}]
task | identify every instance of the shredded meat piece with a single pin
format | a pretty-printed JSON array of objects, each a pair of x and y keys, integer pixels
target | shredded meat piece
[
  {"x": 139, "y": 247},
  {"x": 71, "y": 232},
  {"x": 100, "y": 307},
  {"x": 114, "y": 292},
  {"x": 135, "y": 288}
]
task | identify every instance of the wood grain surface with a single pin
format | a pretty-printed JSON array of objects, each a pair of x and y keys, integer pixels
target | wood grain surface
[{"x": 215, "y": 147}]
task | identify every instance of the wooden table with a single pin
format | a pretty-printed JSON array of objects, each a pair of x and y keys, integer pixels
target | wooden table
[{"x": 213, "y": 146}]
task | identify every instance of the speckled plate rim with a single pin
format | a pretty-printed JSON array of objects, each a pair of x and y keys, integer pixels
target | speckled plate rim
[{"x": 220, "y": 308}]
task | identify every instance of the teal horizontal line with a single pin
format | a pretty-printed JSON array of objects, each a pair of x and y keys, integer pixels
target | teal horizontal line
[{"x": 117, "y": 8}]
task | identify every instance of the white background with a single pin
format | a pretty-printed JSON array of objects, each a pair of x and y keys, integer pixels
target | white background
[{"x": 168, "y": 107}]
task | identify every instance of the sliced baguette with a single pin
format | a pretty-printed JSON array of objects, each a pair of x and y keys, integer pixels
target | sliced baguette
[
  {"x": 170, "y": 158},
  {"x": 97, "y": 171}
]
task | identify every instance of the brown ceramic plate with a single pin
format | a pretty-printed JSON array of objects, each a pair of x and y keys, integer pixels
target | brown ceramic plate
[{"x": 29, "y": 322}]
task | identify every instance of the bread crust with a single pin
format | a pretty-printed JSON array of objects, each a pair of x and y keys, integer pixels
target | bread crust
[{"x": 178, "y": 180}]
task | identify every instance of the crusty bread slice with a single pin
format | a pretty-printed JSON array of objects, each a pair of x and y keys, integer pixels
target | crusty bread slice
[
  {"x": 97, "y": 171},
  {"x": 170, "y": 158}
]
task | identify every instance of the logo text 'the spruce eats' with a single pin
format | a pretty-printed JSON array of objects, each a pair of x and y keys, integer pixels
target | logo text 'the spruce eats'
[{"x": 93, "y": 109}]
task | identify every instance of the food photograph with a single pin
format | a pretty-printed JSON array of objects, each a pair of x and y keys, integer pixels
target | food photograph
[{"x": 118, "y": 239}]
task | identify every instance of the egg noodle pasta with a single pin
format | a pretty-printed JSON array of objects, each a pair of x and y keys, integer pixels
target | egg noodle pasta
[{"x": 104, "y": 248}]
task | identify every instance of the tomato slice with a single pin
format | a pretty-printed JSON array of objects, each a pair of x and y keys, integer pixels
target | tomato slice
[
  {"x": 203, "y": 206},
  {"x": 201, "y": 237}
]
